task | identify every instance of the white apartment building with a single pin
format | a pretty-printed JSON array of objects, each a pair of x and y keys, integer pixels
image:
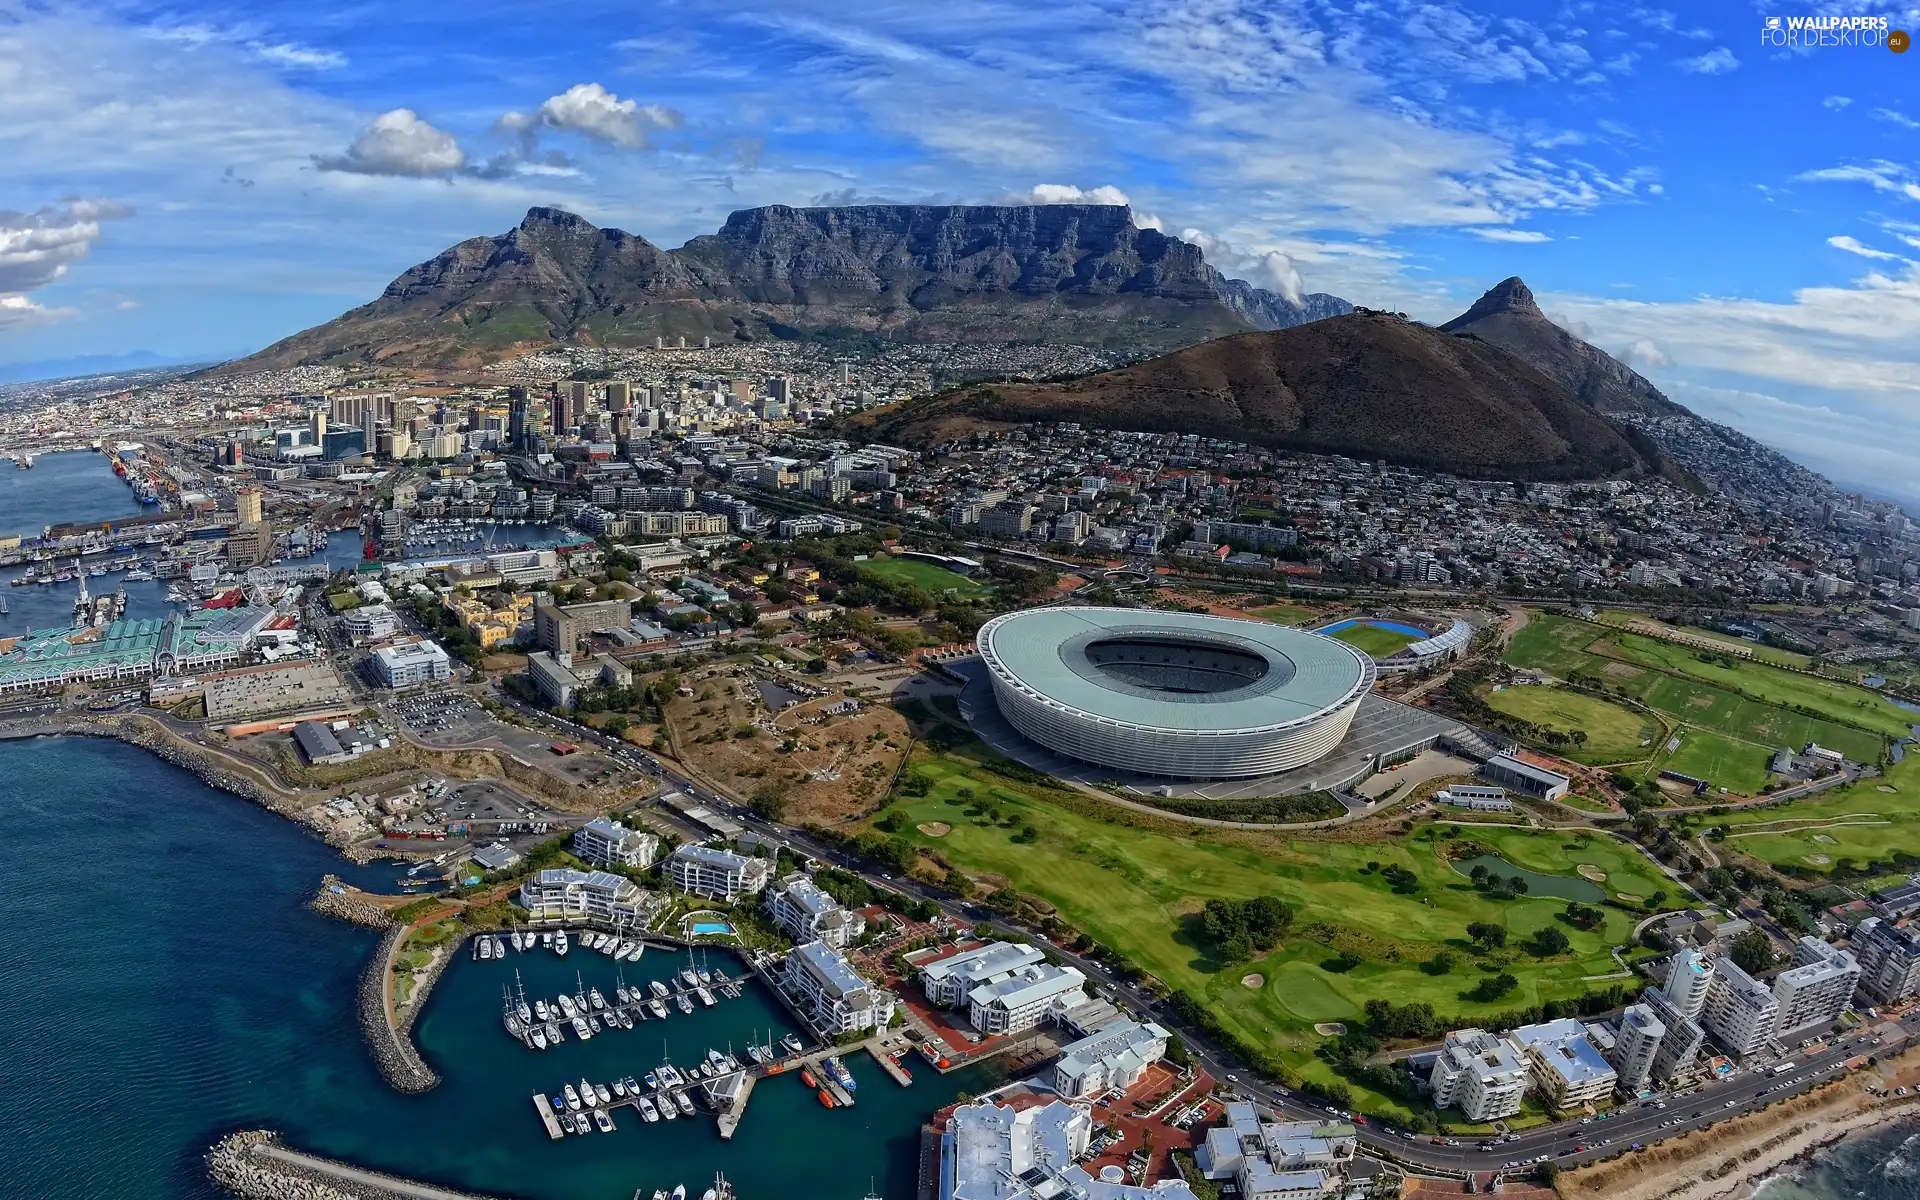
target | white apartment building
[
  {"x": 715, "y": 873},
  {"x": 1688, "y": 982},
  {"x": 1023, "y": 999},
  {"x": 1741, "y": 1012},
  {"x": 1816, "y": 989},
  {"x": 411, "y": 663},
  {"x": 993, "y": 1152},
  {"x": 1636, "y": 1047},
  {"x": 1681, "y": 1042},
  {"x": 1291, "y": 1160},
  {"x": 606, "y": 842},
  {"x": 1114, "y": 1057},
  {"x": 1481, "y": 1075},
  {"x": 1566, "y": 1066},
  {"x": 807, "y": 914},
  {"x": 950, "y": 981},
  {"x": 563, "y": 892},
  {"x": 1889, "y": 958},
  {"x": 836, "y": 999}
]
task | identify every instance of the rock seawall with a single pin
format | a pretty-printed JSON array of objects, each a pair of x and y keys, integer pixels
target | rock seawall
[
  {"x": 393, "y": 1050},
  {"x": 348, "y": 906},
  {"x": 254, "y": 1165}
]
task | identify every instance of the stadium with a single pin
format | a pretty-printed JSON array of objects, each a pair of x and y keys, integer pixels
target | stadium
[{"x": 1173, "y": 694}]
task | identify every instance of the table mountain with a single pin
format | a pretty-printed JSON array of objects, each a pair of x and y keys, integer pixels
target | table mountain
[
  {"x": 1366, "y": 384},
  {"x": 1079, "y": 273}
]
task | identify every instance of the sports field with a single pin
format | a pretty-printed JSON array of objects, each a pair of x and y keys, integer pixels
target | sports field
[
  {"x": 1377, "y": 640},
  {"x": 936, "y": 580},
  {"x": 1139, "y": 890},
  {"x": 1631, "y": 665},
  {"x": 1722, "y": 761},
  {"x": 1614, "y": 735},
  {"x": 1283, "y": 614}
]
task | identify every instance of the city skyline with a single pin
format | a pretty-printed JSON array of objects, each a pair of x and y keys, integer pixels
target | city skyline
[{"x": 1733, "y": 220}]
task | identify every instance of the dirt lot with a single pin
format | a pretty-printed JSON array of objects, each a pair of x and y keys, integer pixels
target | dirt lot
[{"x": 829, "y": 769}]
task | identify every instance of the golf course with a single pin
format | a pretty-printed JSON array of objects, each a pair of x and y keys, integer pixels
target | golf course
[{"x": 1380, "y": 919}]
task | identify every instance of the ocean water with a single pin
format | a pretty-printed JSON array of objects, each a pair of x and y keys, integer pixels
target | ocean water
[
  {"x": 165, "y": 984},
  {"x": 1878, "y": 1164},
  {"x": 74, "y": 485}
]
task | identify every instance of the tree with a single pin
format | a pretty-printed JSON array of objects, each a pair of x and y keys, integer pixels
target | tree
[
  {"x": 1549, "y": 941},
  {"x": 1440, "y": 964},
  {"x": 1488, "y": 937},
  {"x": 1752, "y": 951}
]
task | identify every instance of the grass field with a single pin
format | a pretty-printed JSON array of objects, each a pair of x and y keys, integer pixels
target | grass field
[
  {"x": 1763, "y": 653},
  {"x": 1721, "y": 760},
  {"x": 937, "y": 580},
  {"x": 1138, "y": 891},
  {"x": 1565, "y": 647},
  {"x": 1614, "y": 735},
  {"x": 1372, "y": 639},
  {"x": 1283, "y": 614},
  {"x": 1859, "y": 822}
]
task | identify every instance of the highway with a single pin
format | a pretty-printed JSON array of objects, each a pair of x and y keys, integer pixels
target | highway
[{"x": 1567, "y": 1143}]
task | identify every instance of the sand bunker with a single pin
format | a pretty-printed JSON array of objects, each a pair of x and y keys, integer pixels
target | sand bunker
[
  {"x": 1818, "y": 860},
  {"x": 1630, "y": 898},
  {"x": 1885, "y": 787},
  {"x": 935, "y": 828},
  {"x": 1589, "y": 871},
  {"x": 1256, "y": 982},
  {"x": 1824, "y": 840},
  {"x": 1330, "y": 1028}
]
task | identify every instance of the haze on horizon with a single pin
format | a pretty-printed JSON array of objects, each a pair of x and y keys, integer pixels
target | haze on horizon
[{"x": 1739, "y": 222}]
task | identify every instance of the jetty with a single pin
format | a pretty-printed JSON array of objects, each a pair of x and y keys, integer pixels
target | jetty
[{"x": 545, "y": 1107}]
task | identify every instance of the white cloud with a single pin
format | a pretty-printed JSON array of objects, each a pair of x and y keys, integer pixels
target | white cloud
[
  {"x": 594, "y": 112},
  {"x": 1853, "y": 246},
  {"x": 1717, "y": 61},
  {"x": 1644, "y": 352},
  {"x": 16, "y": 311},
  {"x": 1836, "y": 103},
  {"x": 1263, "y": 267},
  {"x": 36, "y": 248},
  {"x": 1063, "y": 193},
  {"x": 398, "y": 143},
  {"x": 1895, "y": 117},
  {"x": 1519, "y": 236},
  {"x": 286, "y": 54},
  {"x": 1880, "y": 175}
]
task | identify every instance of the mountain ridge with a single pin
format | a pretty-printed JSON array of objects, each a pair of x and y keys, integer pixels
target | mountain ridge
[{"x": 1079, "y": 273}]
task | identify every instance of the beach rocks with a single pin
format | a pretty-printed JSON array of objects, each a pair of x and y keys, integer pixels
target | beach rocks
[
  {"x": 254, "y": 1165},
  {"x": 348, "y": 906},
  {"x": 393, "y": 1050}
]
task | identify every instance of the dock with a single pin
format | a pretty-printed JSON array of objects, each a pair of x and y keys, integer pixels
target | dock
[
  {"x": 892, "y": 1068},
  {"x": 546, "y": 1116},
  {"x": 730, "y": 1119}
]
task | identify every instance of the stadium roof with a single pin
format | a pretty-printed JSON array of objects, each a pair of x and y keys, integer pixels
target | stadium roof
[{"x": 1045, "y": 648}]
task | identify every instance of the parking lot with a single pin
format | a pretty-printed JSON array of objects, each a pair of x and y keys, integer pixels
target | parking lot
[
  {"x": 486, "y": 801},
  {"x": 444, "y": 717}
]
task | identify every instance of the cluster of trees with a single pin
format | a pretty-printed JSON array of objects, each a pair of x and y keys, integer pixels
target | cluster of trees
[
  {"x": 1495, "y": 885},
  {"x": 1752, "y": 951},
  {"x": 1276, "y": 810},
  {"x": 1240, "y": 928},
  {"x": 1583, "y": 916},
  {"x": 1548, "y": 941},
  {"x": 1487, "y": 936}
]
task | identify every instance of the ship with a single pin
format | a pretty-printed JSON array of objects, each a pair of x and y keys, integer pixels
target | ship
[{"x": 840, "y": 1074}]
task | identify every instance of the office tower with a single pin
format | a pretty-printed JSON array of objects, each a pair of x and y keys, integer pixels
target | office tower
[
  {"x": 247, "y": 505},
  {"x": 619, "y": 396}
]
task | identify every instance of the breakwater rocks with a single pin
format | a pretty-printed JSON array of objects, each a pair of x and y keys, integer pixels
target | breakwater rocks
[
  {"x": 163, "y": 746},
  {"x": 392, "y": 1049},
  {"x": 332, "y": 900},
  {"x": 254, "y": 1165}
]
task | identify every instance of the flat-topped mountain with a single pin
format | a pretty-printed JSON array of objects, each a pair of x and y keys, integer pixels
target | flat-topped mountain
[
  {"x": 1366, "y": 384},
  {"x": 1075, "y": 273}
]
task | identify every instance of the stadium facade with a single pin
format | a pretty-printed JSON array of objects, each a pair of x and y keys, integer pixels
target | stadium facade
[{"x": 1173, "y": 694}]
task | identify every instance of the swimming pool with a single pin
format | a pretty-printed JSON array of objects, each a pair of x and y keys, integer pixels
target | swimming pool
[
  {"x": 709, "y": 928},
  {"x": 1394, "y": 626}
]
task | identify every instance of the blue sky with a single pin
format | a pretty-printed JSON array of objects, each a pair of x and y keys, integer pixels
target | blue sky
[{"x": 1741, "y": 222}]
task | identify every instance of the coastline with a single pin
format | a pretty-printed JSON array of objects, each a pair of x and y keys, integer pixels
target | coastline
[
  {"x": 1730, "y": 1161},
  {"x": 255, "y": 1165}
]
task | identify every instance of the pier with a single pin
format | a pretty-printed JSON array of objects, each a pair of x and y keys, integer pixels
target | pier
[
  {"x": 730, "y": 1119},
  {"x": 545, "y": 1106}
]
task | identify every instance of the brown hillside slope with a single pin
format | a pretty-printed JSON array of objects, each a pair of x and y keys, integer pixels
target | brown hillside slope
[{"x": 1366, "y": 384}]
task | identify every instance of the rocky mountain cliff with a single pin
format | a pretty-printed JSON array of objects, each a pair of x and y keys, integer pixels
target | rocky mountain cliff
[
  {"x": 1367, "y": 384},
  {"x": 1078, "y": 273}
]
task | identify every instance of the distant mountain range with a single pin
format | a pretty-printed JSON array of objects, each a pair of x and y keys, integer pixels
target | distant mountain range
[{"x": 1073, "y": 273}]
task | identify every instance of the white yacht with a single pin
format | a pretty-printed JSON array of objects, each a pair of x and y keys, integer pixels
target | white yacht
[
  {"x": 573, "y": 1097},
  {"x": 560, "y": 943},
  {"x": 648, "y": 1112}
]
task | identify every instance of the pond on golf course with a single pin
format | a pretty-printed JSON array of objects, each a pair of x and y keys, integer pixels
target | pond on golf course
[{"x": 1566, "y": 887}]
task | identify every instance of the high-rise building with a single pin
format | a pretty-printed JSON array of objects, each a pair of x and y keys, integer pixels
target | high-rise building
[
  {"x": 1889, "y": 958},
  {"x": 1681, "y": 1042},
  {"x": 1816, "y": 989},
  {"x": 319, "y": 423},
  {"x": 1688, "y": 983},
  {"x": 619, "y": 396},
  {"x": 1636, "y": 1047},
  {"x": 1482, "y": 1075},
  {"x": 1741, "y": 1012},
  {"x": 517, "y": 422},
  {"x": 247, "y": 505}
]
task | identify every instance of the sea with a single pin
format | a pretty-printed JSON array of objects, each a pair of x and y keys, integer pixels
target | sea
[
  {"x": 1882, "y": 1163},
  {"x": 165, "y": 983}
]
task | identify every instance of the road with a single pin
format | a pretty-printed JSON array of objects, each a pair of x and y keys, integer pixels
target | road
[{"x": 1568, "y": 1143}]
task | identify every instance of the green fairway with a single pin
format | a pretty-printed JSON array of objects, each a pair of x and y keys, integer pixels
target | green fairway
[
  {"x": 1139, "y": 892},
  {"x": 1283, "y": 614},
  {"x": 934, "y": 579},
  {"x": 1372, "y": 639},
  {"x": 1720, "y": 760},
  {"x": 1614, "y": 735},
  {"x": 1858, "y": 822},
  {"x": 1556, "y": 645}
]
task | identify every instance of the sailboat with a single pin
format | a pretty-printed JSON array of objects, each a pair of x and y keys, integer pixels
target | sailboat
[{"x": 520, "y": 1000}]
